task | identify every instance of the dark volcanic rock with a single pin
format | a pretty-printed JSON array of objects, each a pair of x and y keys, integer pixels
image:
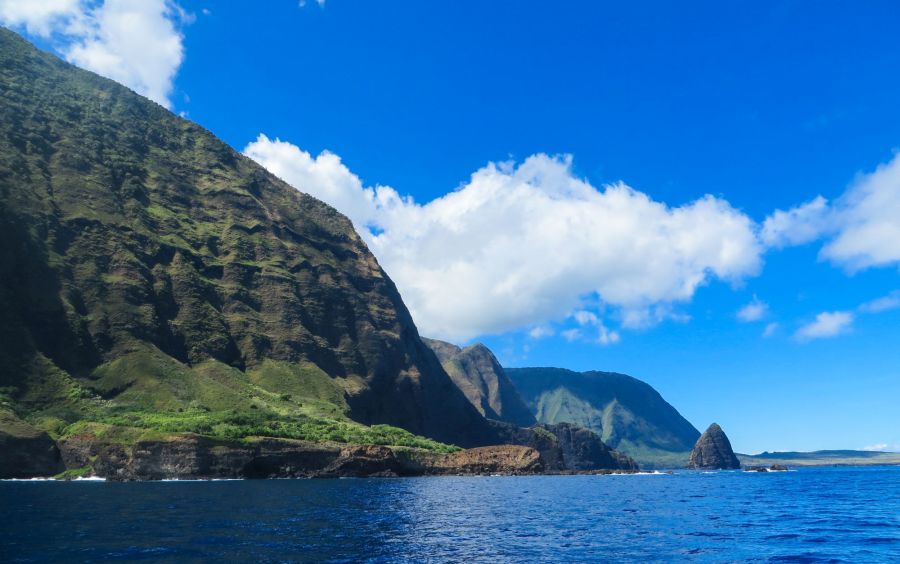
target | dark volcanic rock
[
  {"x": 477, "y": 373},
  {"x": 26, "y": 452},
  {"x": 713, "y": 451},
  {"x": 503, "y": 459},
  {"x": 567, "y": 448},
  {"x": 191, "y": 456},
  {"x": 188, "y": 456}
]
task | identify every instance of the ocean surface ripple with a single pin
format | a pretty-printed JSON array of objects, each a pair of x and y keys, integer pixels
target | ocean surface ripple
[{"x": 809, "y": 515}]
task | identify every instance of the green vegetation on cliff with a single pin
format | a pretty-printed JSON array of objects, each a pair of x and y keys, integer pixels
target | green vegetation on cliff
[
  {"x": 154, "y": 278},
  {"x": 822, "y": 458},
  {"x": 629, "y": 415},
  {"x": 476, "y": 371}
]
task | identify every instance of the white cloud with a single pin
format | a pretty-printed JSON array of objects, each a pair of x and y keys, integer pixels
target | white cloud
[
  {"x": 524, "y": 244},
  {"x": 753, "y": 311},
  {"x": 41, "y": 18},
  {"x": 605, "y": 336},
  {"x": 770, "y": 329},
  {"x": 324, "y": 177},
  {"x": 884, "y": 303},
  {"x": 571, "y": 334},
  {"x": 135, "y": 43},
  {"x": 861, "y": 228},
  {"x": 827, "y": 324},
  {"x": 584, "y": 317},
  {"x": 796, "y": 226},
  {"x": 541, "y": 331},
  {"x": 869, "y": 221},
  {"x": 879, "y": 447}
]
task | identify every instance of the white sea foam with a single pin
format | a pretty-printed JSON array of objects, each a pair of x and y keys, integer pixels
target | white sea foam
[
  {"x": 653, "y": 473},
  {"x": 200, "y": 480},
  {"x": 79, "y": 479}
]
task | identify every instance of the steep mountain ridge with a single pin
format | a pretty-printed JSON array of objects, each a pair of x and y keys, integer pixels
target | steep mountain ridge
[
  {"x": 628, "y": 414},
  {"x": 476, "y": 371},
  {"x": 148, "y": 269}
]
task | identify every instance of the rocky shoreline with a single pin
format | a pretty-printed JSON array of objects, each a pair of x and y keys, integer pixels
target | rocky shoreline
[{"x": 187, "y": 456}]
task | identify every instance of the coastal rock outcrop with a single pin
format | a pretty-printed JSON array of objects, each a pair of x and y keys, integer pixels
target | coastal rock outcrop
[
  {"x": 188, "y": 456},
  {"x": 567, "y": 448},
  {"x": 503, "y": 459},
  {"x": 713, "y": 451},
  {"x": 25, "y": 451}
]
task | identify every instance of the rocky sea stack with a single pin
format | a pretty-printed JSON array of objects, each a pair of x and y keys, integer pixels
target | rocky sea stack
[{"x": 713, "y": 451}]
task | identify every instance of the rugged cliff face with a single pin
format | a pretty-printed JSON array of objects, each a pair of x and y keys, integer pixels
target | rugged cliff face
[
  {"x": 567, "y": 448},
  {"x": 628, "y": 414},
  {"x": 476, "y": 371},
  {"x": 713, "y": 451},
  {"x": 188, "y": 456},
  {"x": 128, "y": 453},
  {"x": 26, "y": 451},
  {"x": 147, "y": 267}
]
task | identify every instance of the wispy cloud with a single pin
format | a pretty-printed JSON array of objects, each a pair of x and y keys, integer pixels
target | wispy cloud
[
  {"x": 770, "y": 329},
  {"x": 541, "y": 331},
  {"x": 826, "y": 324},
  {"x": 884, "y": 303},
  {"x": 571, "y": 334},
  {"x": 753, "y": 311},
  {"x": 605, "y": 335},
  {"x": 878, "y": 447}
]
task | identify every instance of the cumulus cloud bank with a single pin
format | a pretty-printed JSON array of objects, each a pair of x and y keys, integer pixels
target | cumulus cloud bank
[
  {"x": 523, "y": 244},
  {"x": 861, "y": 228},
  {"x": 135, "y": 43}
]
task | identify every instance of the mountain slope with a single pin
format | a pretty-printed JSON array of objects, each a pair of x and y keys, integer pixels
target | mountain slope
[
  {"x": 822, "y": 458},
  {"x": 476, "y": 371},
  {"x": 629, "y": 415},
  {"x": 150, "y": 272}
]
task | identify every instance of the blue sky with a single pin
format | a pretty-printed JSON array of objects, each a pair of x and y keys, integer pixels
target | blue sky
[{"x": 761, "y": 106}]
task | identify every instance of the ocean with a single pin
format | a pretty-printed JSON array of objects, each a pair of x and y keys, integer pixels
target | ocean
[{"x": 808, "y": 515}]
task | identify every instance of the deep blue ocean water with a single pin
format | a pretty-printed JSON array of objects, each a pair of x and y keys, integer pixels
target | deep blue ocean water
[{"x": 833, "y": 514}]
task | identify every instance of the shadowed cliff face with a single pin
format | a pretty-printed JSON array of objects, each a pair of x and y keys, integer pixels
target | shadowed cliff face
[
  {"x": 567, "y": 447},
  {"x": 26, "y": 452},
  {"x": 713, "y": 451},
  {"x": 628, "y": 414},
  {"x": 476, "y": 371},
  {"x": 126, "y": 228}
]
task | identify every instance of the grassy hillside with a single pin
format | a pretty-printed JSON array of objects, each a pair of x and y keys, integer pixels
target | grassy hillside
[
  {"x": 822, "y": 458},
  {"x": 151, "y": 276},
  {"x": 628, "y": 414}
]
